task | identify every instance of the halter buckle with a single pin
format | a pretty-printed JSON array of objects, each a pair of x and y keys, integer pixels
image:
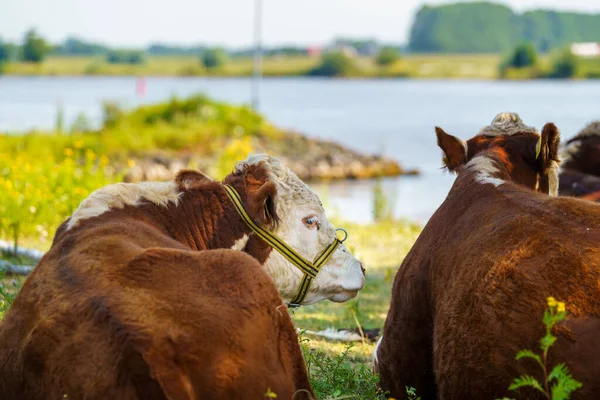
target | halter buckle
[{"x": 345, "y": 234}]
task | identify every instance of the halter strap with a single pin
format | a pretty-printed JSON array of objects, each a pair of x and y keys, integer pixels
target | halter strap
[{"x": 310, "y": 270}]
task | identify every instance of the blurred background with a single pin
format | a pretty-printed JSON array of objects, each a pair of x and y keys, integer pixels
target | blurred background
[{"x": 347, "y": 92}]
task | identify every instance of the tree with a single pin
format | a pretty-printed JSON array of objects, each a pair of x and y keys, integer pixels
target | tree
[
  {"x": 214, "y": 58},
  {"x": 523, "y": 56},
  {"x": 387, "y": 56},
  {"x": 565, "y": 65},
  {"x": 132, "y": 57},
  {"x": 35, "y": 48},
  {"x": 484, "y": 27},
  {"x": 335, "y": 63}
]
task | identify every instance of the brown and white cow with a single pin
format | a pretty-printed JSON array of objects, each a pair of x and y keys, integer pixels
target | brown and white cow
[
  {"x": 128, "y": 304},
  {"x": 472, "y": 291},
  {"x": 580, "y": 169}
]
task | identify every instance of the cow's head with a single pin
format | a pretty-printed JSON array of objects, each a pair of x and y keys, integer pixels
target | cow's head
[
  {"x": 279, "y": 201},
  {"x": 507, "y": 150}
]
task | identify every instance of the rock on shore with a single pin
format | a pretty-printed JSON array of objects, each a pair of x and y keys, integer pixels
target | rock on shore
[{"x": 310, "y": 159}]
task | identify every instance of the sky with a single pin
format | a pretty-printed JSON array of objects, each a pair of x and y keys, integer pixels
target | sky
[{"x": 136, "y": 23}]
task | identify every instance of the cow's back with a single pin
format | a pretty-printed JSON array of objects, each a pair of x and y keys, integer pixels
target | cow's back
[
  {"x": 472, "y": 291},
  {"x": 127, "y": 322}
]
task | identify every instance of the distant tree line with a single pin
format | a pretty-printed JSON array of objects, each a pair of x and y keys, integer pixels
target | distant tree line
[
  {"x": 33, "y": 49},
  {"x": 484, "y": 27}
]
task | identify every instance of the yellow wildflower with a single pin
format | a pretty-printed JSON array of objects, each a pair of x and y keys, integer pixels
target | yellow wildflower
[
  {"x": 560, "y": 307},
  {"x": 131, "y": 163},
  {"x": 90, "y": 154},
  {"x": 551, "y": 302},
  {"x": 78, "y": 144},
  {"x": 68, "y": 152}
]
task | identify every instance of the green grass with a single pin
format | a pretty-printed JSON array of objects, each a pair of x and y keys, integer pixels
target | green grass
[{"x": 418, "y": 66}]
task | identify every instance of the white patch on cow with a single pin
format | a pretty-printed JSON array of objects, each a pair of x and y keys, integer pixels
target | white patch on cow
[
  {"x": 483, "y": 179},
  {"x": 375, "y": 359},
  {"x": 240, "y": 244},
  {"x": 506, "y": 123},
  {"x": 485, "y": 170},
  {"x": 341, "y": 277},
  {"x": 120, "y": 195}
]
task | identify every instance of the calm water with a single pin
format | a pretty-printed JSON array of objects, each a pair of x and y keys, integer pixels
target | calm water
[{"x": 394, "y": 117}]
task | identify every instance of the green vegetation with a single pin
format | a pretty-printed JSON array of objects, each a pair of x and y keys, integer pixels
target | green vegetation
[
  {"x": 35, "y": 47},
  {"x": 565, "y": 65},
  {"x": 335, "y": 377},
  {"x": 524, "y": 56},
  {"x": 125, "y": 57},
  {"x": 77, "y": 47},
  {"x": 483, "y": 27},
  {"x": 387, "y": 56},
  {"x": 334, "y": 63},
  {"x": 560, "y": 378},
  {"x": 458, "y": 66},
  {"x": 523, "y": 61},
  {"x": 44, "y": 176},
  {"x": 214, "y": 58}
]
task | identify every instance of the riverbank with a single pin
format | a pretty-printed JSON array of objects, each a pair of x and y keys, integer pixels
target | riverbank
[
  {"x": 418, "y": 66},
  {"x": 471, "y": 66}
]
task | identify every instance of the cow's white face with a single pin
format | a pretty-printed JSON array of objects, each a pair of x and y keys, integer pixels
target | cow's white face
[{"x": 305, "y": 227}]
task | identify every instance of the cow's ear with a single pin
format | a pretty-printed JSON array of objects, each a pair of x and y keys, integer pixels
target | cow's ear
[
  {"x": 546, "y": 152},
  {"x": 547, "y": 148},
  {"x": 189, "y": 178},
  {"x": 455, "y": 150},
  {"x": 261, "y": 204}
]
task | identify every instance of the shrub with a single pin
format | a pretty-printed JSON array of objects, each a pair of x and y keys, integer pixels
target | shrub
[
  {"x": 35, "y": 47},
  {"x": 523, "y": 56},
  {"x": 565, "y": 65},
  {"x": 132, "y": 57},
  {"x": 335, "y": 63},
  {"x": 214, "y": 58},
  {"x": 387, "y": 56}
]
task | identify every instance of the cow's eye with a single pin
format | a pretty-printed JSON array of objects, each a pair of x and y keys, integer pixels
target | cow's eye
[{"x": 312, "y": 222}]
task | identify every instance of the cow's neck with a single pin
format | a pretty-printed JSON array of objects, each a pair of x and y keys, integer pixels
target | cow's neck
[
  {"x": 488, "y": 168},
  {"x": 206, "y": 219}
]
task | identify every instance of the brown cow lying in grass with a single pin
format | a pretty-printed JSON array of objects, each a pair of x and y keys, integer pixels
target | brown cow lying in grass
[
  {"x": 124, "y": 306},
  {"x": 580, "y": 170},
  {"x": 472, "y": 290}
]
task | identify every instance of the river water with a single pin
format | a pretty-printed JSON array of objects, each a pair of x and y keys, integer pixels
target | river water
[{"x": 393, "y": 117}]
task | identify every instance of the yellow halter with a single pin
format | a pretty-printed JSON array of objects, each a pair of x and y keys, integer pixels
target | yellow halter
[{"x": 310, "y": 270}]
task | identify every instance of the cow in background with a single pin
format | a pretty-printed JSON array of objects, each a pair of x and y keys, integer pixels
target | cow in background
[{"x": 580, "y": 169}]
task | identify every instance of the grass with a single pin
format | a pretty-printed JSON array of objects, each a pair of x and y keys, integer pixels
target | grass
[
  {"x": 381, "y": 246},
  {"x": 418, "y": 66},
  {"x": 427, "y": 66}
]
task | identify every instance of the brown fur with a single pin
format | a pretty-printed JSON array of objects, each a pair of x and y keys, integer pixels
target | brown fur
[
  {"x": 581, "y": 168},
  {"x": 473, "y": 289},
  {"x": 123, "y": 306}
]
